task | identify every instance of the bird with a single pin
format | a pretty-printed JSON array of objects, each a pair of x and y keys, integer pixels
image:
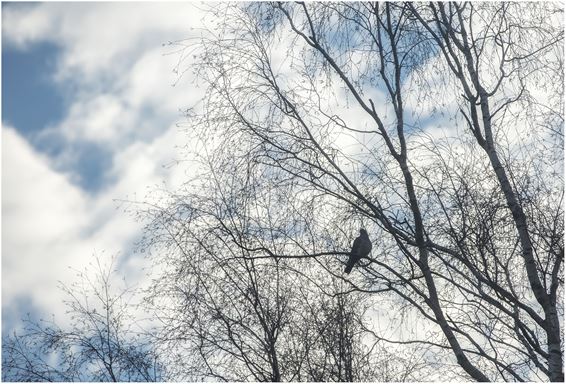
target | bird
[{"x": 360, "y": 248}]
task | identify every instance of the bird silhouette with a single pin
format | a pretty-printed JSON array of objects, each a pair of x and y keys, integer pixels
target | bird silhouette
[{"x": 360, "y": 248}]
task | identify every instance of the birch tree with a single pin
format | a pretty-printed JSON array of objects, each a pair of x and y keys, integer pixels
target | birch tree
[{"x": 438, "y": 127}]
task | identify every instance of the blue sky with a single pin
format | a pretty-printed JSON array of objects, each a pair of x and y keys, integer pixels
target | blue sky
[
  {"x": 27, "y": 83},
  {"x": 89, "y": 118},
  {"x": 34, "y": 102}
]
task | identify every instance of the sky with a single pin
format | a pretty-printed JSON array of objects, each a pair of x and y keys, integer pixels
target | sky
[
  {"x": 91, "y": 108},
  {"x": 92, "y": 101}
]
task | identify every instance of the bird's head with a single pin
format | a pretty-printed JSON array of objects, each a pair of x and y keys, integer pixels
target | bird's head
[{"x": 363, "y": 232}]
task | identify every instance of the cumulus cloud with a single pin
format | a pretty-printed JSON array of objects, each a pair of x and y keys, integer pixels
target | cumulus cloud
[
  {"x": 117, "y": 78},
  {"x": 98, "y": 37},
  {"x": 112, "y": 62},
  {"x": 49, "y": 224},
  {"x": 42, "y": 215}
]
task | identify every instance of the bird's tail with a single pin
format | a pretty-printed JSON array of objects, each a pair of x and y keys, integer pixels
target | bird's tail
[{"x": 348, "y": 268}]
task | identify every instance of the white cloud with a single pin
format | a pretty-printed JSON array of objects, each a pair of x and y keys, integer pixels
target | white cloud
[
  {"x": 49, "y": 224},
  {"x": 98, "y": 37},
  {"x": 42, "y": 214},
  {"x": 113, "y": 60},
  {"x": 113, "y": 64},
  {"x": 147, "y": 85},
  {"x": 22, "y": 24},
  {"x": 99, "y": 118},
  {"x": 140, "y": 106}
]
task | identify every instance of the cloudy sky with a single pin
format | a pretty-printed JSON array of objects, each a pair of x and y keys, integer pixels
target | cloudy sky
[{"x": 90, "y": 111}]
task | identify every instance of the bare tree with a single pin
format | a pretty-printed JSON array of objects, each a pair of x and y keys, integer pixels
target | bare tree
[
  {"x": 101, "y": 342},
  {"x": 331, "y": 107},
  {"x": 230, "y": 316},
  {"x": 495, "y": 67}
]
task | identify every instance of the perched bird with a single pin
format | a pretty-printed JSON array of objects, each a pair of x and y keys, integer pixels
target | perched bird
[{"x": 361, "y": 248}]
